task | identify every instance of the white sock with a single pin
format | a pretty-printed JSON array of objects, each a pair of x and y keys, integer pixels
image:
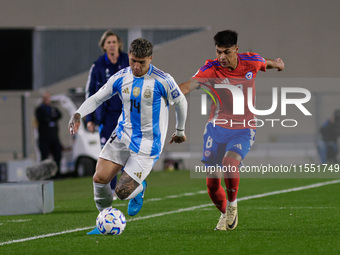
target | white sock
[
  {"x": 234, "y": 203},
  {"x": 134, "y": 193},
  {"x": 102, "y": 195}
]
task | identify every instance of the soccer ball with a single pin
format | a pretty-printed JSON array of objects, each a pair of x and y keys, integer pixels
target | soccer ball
[{"x": 111, "y": 221}]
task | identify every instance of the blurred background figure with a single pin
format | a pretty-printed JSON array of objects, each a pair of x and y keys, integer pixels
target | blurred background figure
[
  {"x": 328, "y": 145},
  {"x": 48, "y": 131},
  {"x": 106, "y": 116}
]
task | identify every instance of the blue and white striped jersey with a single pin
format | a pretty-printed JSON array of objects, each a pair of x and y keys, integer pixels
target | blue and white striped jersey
[{"x": 143, "y": 123}]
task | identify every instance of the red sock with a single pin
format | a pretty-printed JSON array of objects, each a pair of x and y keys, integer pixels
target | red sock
[
  {"x": 232, "y": 178},
  {"x": 217, "y": 193}
]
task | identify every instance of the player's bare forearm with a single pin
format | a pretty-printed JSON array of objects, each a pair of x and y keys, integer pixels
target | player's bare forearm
[
  {"x": 185, "y": 87},
  {"x": 74, "y": 123},
  {"x": 277, "y": 63}
]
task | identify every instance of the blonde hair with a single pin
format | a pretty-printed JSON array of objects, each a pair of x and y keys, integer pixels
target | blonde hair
[{"x": 105, "y": 36}]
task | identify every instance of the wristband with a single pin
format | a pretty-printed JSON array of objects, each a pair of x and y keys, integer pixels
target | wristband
[{"x": 179, "y": 132}]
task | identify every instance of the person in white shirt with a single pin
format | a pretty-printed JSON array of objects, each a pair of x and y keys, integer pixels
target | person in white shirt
[{"x": 139, "y": 137}]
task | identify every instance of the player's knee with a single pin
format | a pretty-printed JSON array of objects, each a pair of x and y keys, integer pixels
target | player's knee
[
  {"x": 98, "y": 179},
  {"x": 213, "y": 184}
]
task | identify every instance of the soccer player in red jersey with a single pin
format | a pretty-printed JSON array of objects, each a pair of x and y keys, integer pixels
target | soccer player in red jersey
[{"x": 228, "y": 136}]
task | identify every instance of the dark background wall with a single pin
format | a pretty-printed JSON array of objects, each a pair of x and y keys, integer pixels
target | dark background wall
[{"x": 16, "y": 57}]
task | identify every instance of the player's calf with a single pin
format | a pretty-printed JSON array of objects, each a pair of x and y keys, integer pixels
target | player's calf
[{"x": 127, "y": 188}]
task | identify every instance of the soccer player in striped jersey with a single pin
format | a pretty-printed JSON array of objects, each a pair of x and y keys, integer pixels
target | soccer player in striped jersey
[
  {"x": 139, "y": 137},
  {"x": 106, "y": 116},
  {"x": 227, "y": 142}
]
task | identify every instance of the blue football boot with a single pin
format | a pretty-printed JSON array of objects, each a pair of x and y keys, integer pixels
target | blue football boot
[
  {"x": 136, "y": 203},
  {"x": 94, "y": 231}
]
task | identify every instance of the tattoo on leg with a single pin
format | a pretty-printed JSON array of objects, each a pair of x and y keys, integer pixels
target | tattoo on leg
[{"x": 125, "y": 186}]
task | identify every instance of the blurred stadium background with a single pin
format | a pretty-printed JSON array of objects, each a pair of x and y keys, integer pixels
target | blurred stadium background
[{"x": 51, "y": 45}]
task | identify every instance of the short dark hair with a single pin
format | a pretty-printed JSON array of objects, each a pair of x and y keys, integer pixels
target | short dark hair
[
  {"x": 105, "y": 36},
  {"x": 141, "y": 48},
  {"x": 226, "y": 38}
]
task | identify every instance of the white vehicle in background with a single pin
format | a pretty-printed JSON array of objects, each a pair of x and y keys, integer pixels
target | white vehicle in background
[{"x": 81, "y": 154}]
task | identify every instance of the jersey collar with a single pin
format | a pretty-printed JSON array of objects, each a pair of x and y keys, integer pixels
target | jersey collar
[
  {"x": 150, "y": 69},
  {"x": 148, "y": 73}
]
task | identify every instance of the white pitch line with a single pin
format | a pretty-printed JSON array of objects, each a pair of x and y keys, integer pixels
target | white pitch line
[
  {"x": 168, "y": 197},
  {"x": 293, "y": 208},
  {"x": 177, "y": 196},
  {"x": 316, "y": 185},
  {"x": 290, "y": 190},
  {"x": 15, "y": 221},
  {"x": 19, "y": 220},
  {"x": 43, "y": 236}
]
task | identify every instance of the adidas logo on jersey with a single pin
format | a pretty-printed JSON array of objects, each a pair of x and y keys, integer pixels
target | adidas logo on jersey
[
  {"x": 139, "y": 175},
  {"x": 225, "y": 81},
  {"x": 238, "y": 146},
  {"x": 126, "y": 91}
]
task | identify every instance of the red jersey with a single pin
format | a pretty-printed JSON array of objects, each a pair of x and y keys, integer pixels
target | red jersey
[{"x": 242, "y": 77}]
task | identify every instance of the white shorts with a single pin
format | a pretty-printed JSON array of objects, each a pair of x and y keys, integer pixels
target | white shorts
[{"x": 137, "y": 166}]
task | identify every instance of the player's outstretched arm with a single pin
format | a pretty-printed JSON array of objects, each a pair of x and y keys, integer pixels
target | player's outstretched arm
[
  {"x": 181, "y": 115},
  {"x": 74, "y": 123},
  {"x": 277, "y": 63},
  {"x": 89, "y": 105},
  {"x": 188, "y": 86},
  {"x": 185, "y": 87}
]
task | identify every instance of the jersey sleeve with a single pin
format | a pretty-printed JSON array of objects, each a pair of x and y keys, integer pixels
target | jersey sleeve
[
  {"x": 173, "y": 92},
  {"x": 90, "y": 88},
  {"x": 104, "y": 93},
  {"x": 258, "y": 61},
  {"x": 204, "y": 75},
  {"x": 175, "y": 96},
  {"x": 206, "y": 71},
  {"x": 263, "y": 67}
]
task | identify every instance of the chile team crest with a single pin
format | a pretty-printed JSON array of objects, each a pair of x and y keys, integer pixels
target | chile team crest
[
  {"x": 207, "y": 153},
  {"x": 249, "y": 76}
]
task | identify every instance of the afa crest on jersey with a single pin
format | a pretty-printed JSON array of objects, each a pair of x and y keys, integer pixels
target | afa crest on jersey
[
  {"x": 147, "y": 92},
  {"x": 175, "y": 93}
]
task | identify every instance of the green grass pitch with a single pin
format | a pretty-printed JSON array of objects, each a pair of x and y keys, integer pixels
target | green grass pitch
[{"x": 177, "y": 218}]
